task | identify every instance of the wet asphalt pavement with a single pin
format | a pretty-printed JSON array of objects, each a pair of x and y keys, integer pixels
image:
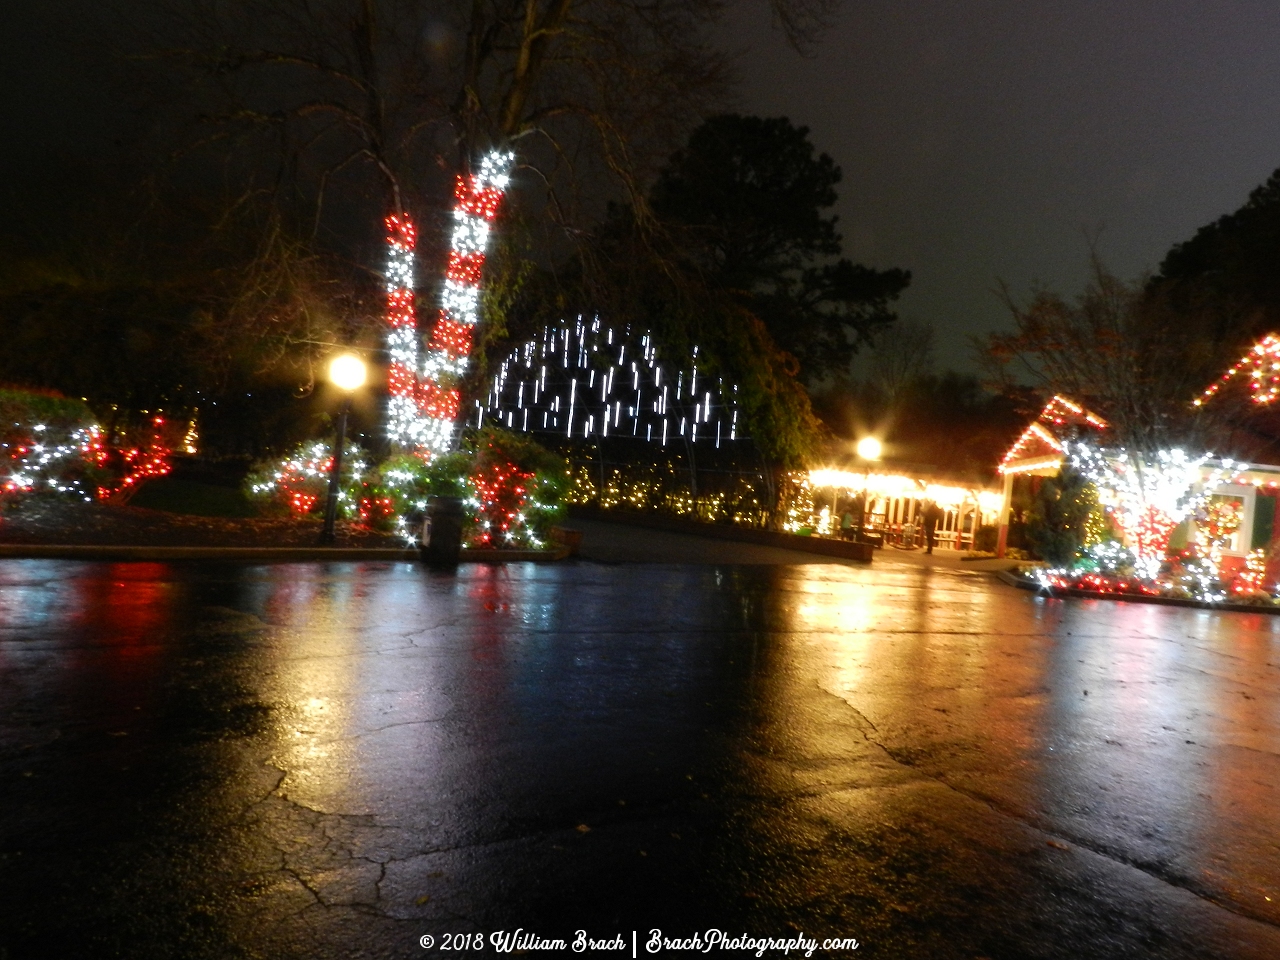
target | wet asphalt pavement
[{"x": 204, "y": 761}]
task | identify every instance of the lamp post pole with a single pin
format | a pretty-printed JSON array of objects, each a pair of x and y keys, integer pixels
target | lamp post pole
[
  {"x": 335, "y": 473},
  {"x": 869, "y": 450},
  {"x": 347, "y": 373}
]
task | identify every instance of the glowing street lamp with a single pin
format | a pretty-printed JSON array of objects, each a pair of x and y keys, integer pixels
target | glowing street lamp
[
  {"x": 347, "y": 373},
  {"x": 869, "y": 448}
]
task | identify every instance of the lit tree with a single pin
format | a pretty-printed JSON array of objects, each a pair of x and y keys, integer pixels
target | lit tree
[
  {"x": 1150, "y": 495},
  {"x": 1128, "y": 356},
  {"x": 376, "y": 97}
]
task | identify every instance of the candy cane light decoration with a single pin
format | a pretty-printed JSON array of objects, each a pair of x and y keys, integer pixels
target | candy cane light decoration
[
  {"x": 423, "y": 405},
  {"x": 405, "y": 424},
  {"x": 477, "y": 198}
]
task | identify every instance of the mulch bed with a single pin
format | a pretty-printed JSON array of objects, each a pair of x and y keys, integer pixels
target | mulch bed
[{"x": 39, "y": 520}]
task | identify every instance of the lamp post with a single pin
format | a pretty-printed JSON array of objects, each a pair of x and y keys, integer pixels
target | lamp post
[
  {"x": 868, "y": 449},
  {"x": 347, "y": 373}
]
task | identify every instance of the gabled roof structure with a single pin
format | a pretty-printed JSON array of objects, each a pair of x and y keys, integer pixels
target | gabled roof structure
[
  {"x": 1040, "y": 448},
  {"x": 1263, "y": 361}
]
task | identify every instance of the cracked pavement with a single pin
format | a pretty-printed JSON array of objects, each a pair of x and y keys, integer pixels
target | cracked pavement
[{"x": 202, "y": 760}]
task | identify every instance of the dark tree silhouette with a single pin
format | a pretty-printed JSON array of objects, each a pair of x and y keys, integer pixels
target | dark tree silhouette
[{"x": 749, "y": 199}]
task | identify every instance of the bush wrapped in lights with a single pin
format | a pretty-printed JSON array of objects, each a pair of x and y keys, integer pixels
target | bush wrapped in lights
[
  {"x": 49, "y": 444},
  {"x": 518, "y": 490},
  {"x": 410, "y": 482},
  {"x": 513, "y": 489},
  {"x": 299, "y": 483},
  {"x": 1147, "y": 499}
]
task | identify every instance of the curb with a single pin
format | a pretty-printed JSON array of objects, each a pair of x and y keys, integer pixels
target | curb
[
  {"x": 840, "y": 549},
  {"x": 1062, "y": 592},
  {"x": 53, "y": 551}
]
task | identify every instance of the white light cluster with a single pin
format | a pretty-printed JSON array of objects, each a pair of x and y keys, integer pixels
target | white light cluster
[
  {"x": 399, "y": 267},
  {"x": 404, "y": 425},
  {"x": 45, "y": 466},
  {"x": 404, "y": 419},
  {"x": 1171, "y": 484},
  {"x": 584, "y": 380}
]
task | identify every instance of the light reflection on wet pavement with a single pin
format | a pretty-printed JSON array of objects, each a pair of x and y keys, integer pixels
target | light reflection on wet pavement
[{"x": 329, "y": 761}]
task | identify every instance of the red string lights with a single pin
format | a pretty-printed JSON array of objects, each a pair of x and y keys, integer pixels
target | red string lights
[
  {"x": 139, "y": 463},
  {"x": 405, "y": 422},
  {"x": 477, "y": 199},
  {"x": 1263, "y": 363},
  {"x": 501, "y": 491}
]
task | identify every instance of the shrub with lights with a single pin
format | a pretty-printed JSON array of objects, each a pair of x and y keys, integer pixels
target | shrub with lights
[
  {"x": 411, "y": 481},
  {"x": 1144, "y": 500},
  {"x": 513, "y": 489},
  {"x": 49, "y": 444},
  {"x": 298, "y": 484},
  {"x": 517, "y": 487}
]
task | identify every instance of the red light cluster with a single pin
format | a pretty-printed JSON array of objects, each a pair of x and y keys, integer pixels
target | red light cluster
[
  {"x": 439, "y": 402},
  {"x": 465, "y": 267},
  {"x": 482, "y": 202},
  {"x": 451, "y": 337},
  {"x": 402, "y": 231},
  {"x": 400, "y": 306},
  {"x": 1100, "y": 584},
  {"x": 302, "y": 503},
  {"x": 502, "y": 491},
  {"x": 141, "y": 464},
  {"x": 376, "y": 509},
  {"x": 1151, "y": 532},
  {"x": 400, "y": 380}
]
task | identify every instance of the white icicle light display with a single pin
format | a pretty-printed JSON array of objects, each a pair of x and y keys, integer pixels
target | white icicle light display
[{"x": 583, "y": 380}]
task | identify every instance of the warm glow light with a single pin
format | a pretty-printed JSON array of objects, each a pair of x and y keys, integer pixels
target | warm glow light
[
  {"x": 347, "y": 371},
  {"x": 892, "y": 486},
  {"x": 1058, "y": 411},
  {"x": 869, "y": 448}
]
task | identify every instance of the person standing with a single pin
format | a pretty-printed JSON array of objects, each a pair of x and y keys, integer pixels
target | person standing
[
  {"x": 846, "y": 523},
  {"x": 857, "y": 511},
  {"x": 932, "y": 514}
]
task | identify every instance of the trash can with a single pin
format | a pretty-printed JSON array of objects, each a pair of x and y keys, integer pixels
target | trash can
[{"x": 442, "y": 531}]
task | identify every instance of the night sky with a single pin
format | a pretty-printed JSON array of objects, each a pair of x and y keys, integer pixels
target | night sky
[
  {"x": 987, "y": 139},
  {"x": 980, "y": 141}
]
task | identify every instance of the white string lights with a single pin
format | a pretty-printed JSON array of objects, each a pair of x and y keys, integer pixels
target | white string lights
[
  {"x": 405, "y": 425},
  {"x": 1149, "y": 497},
  {"x": 583, "y": 380},
  {"x": 44, "y": 459},
  {"x": 477, "y": 199},
  {"x": 423, "y": 402}
]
